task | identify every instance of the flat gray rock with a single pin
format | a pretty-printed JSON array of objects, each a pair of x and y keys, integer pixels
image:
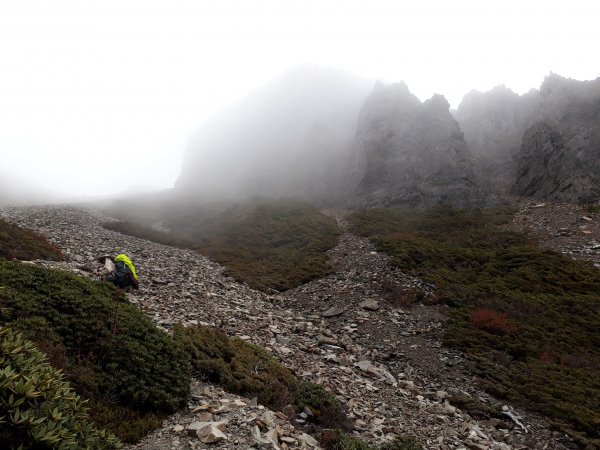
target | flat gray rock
[{"x": 333, "y": 312}]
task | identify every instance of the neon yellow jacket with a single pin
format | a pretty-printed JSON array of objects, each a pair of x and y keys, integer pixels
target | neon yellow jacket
[{"x": 125, "y": 260}]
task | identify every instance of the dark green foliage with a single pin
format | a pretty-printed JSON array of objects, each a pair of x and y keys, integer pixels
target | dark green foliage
[
  {"x": 109, "y": 350},
  {"x": 403, "y": 443},
  {"x": 17, "y": 243},
  {"x": 529, "y": 316},
  {"x": 267, "y": 244},
  {"x": 339, "y": 440},
  {"x": 129, "y": 424},
  {"x": 316, "y": 397},
  {"x": 38, "y": 408},
  {"x": 245, "y": 369}
]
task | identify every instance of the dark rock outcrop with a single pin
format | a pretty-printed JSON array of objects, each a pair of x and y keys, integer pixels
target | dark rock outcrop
[
  {"x": 544, "y": 144},
  {"x": 559, "y": 158},
  {"x": 493, "y": 123},
  {"x": 317, "y": 134},
  {"x": 414, "y": 153}
]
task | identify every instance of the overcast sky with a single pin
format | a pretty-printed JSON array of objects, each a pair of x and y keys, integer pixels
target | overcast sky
[{"x": 97, "y": 96}]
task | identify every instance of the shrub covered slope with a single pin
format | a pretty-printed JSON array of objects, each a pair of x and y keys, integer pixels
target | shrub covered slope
[
  {"x": 528, "y": 316},
  {"x": 17, "y": 243},
  {"x": 110, "y": 352},
  {"x": 270, "y": 245}
]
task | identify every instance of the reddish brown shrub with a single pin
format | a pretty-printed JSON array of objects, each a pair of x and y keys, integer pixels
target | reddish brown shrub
[
  {"x": 546, "y": 357},
  {"x": 434, "y": 299},
  {"x": 492, "y": 321},
  {"x": 401, "y": 236}
]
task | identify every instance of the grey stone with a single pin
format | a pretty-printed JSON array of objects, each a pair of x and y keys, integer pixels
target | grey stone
[
  {"x": 370, "y": 304},
  {"x": 333, "y": 312}
]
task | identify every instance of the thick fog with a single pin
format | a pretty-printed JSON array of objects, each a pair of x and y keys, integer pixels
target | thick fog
[{"x": 105, "y": 98}]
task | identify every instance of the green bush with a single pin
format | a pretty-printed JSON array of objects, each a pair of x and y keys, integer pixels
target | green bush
[
  {"x": 237, "y": 366},
  {"x": 315, "y": 397},
  {"x": 18, "y": 243},
  {"x": 403, "y": 443},
  {"x": 110, "y": 351},
  {"x": 38, "y": 408},
  {"x": 339, "y": 440},
  {"x": 528, "y": 316}
]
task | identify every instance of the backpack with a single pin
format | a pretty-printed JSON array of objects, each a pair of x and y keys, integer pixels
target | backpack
[{"x": 120, "y": 277}]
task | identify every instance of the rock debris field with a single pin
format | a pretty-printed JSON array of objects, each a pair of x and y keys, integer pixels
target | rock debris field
[{"x": 349, "y": 331}]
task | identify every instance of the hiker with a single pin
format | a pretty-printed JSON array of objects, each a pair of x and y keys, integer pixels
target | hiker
[{"x": 124, "y": 275}]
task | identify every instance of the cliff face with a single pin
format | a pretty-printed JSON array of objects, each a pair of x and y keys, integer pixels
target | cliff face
[
  {"x": 413, "y": 153},
  {"x": 288, "y": 138},
  {"x": 493, "y": 123},
  {"x": 325, "y": 135},
  {"x": 559, "y": 157},
  {"x": 544, "y": 144}
]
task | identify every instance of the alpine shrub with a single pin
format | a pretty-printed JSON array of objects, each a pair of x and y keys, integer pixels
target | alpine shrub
[
  {"x": 246, "y": 369},
  {"x": 110, "y": 351},
  {"x": 339, "y": 440},
  {"x": 270, "y": 245},
  {"x": 18, "y": 243},
  {"x": 495, "y": 282},
  {"x": 38, "y": 408},
  {"x": 492, "y": 321},
  {"x": 238, "y": 366}
]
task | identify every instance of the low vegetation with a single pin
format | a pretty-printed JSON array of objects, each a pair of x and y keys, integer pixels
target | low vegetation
[
  {"x": 245, "y": 369},
  {"x": 25, "y": 245},
  {"x": 339, "y": 440},
  {"x": 38, "y": 408},
  {"x": 267, "y": 244},
  {"x": 112, "y": 354},
  {"x": 593, "y": 209},
  {"x": 528, "y": 316}
]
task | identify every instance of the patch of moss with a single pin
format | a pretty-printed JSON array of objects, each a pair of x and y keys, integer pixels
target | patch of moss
[
  {"x": 25, "y": 245},
  {"x": 546, "y": 305},
  {"x": 110, "y": 352}
]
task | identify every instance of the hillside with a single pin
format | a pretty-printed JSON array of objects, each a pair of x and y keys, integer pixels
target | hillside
[
  {"x": 527, "y": 316},
  {"x": 271, "y": 245},
  {"x": 382, "y": 358}
]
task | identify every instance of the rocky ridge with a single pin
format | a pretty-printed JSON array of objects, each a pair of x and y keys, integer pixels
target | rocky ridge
[
  {"x": 414, "y": 153},
  {"x": 542, "y": 144},
  {"x": 349, "y": 331}
]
